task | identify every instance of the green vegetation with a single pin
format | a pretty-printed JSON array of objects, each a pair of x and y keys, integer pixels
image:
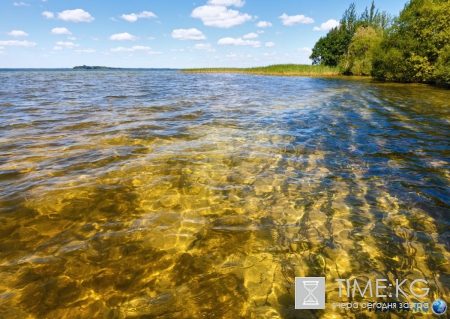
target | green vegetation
[
  {"x": 416, "y": 47},
  {"x": 281, "y": 69},
  {"x": 86, "y": 67},
  {"x": 359, "y": 56},
  {"x": 331, "y": 49},
  {"x": 442, "y": 68},
  {"x": 413, "y": 47}
]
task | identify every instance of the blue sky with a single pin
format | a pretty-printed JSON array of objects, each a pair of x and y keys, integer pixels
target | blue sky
[{"x": 166, "y": 33}]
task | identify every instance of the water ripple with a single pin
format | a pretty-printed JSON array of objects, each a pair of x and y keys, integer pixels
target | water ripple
[{"x": 162, "y": 194}]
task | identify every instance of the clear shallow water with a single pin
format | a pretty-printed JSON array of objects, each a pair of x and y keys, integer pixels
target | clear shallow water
[{"x": 169, "y": 195}]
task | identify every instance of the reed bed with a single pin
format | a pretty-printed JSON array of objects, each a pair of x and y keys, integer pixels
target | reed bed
[{"x": 280, "y": 69}]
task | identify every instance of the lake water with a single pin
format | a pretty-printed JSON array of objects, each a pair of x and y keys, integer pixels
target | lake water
[{"x": 138, "y": 194}]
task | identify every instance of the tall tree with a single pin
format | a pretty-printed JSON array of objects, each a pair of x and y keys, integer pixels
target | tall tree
[
  {"x": 329, "y": 50},
  {"x": 358, "y": 60},
  {"x": 411, "y": 48}
]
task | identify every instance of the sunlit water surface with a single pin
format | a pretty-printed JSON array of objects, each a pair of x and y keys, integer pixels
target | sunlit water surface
[{"x": 169, "y": 195}]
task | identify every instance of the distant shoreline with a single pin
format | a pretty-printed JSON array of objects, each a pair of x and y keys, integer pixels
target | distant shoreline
[
  {"x": 81, "y": 69},
  {"x": 271, "y": 70},
  {"x": 87, "y": 67}
]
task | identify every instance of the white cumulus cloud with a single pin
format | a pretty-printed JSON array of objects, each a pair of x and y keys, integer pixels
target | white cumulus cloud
[
  {"x": 141, "y": 48},
  {"x": 48, "y": 15},
  {"x": 57, "y": 48},
  {"x": 129, "y": 17},
  {"x": 226, "y": 3},
  {"x": 238, "y": 41},
  {"x": 250, "y": 36},
  {"x": 20, "y": 4},
  {"x": 60, "y": 31},
  {"x": 68, "y": 45},
  {"x": 188, "y": 34},
  {"x": 219, "y": 16},
  {"x": 132, "y": 17},
  {"x": 327, "y": 26},
  {"x": 205, "y": 47},
  {"x": 154, "y": 53},
  {"x": 270, "y": 44},
  {"x": 260, "y": 31},
  {"x": 18, "y": 33},
  {"x": 17, "y": 43},
  {"x": 263, "y": 24},
  {"x": 122, "y": 49},
  {"x": 132, "y": 49},
  {"x": 123, "y": 37},
  {"x": 146, "y": 14},
  {"x": 305, "y": 51},
  {"x": 77, "y": 15},
  {"x": 85, "y": 51},
  {"x": 291, "y": 20}
]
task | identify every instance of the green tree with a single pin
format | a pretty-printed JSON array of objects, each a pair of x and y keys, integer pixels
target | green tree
[
  {"x": 442, "y": 68},
  {"x": 410, "y": 50},
  {"x": 375, "y": 19},
  {"x": 358, "y": 60},
  {"x": 390, "y": 65},
  {"x": 329, "y": 50}
]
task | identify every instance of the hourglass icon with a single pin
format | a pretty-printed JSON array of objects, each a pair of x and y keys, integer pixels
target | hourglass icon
[
  {"x": 310, "y": 293},
  {"x": 310, "y": 299}
]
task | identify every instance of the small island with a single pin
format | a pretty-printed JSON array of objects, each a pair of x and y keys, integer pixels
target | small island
[{"x": 86, "y": 67}]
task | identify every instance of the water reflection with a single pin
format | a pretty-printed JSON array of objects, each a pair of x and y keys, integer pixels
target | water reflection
[{"x": 163, "y": 195}]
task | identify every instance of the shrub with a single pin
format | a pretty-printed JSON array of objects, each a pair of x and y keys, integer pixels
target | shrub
[
  {"x": 442, "y": 68},
  {"x": 358, "y": 60}
]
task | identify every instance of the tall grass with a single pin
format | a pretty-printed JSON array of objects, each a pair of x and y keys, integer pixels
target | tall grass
[{"x": 280, "y": 69}]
